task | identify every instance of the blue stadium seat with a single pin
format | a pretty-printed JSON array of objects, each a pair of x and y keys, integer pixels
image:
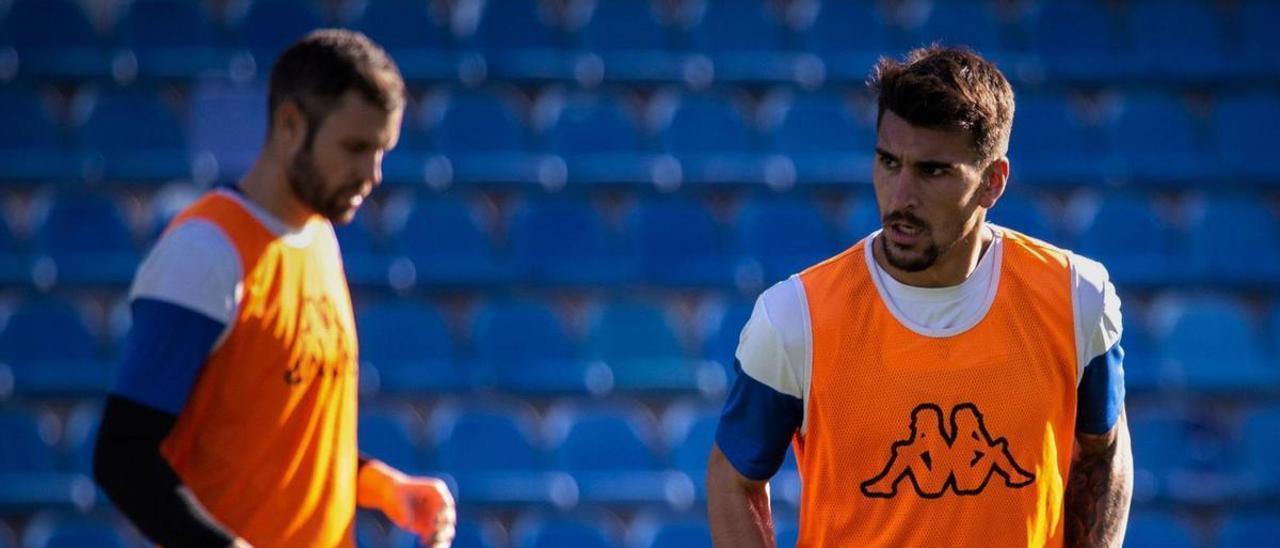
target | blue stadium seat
[
  {"x": 30, "y": 441},
  {"x": 363, "y": 256},
  {"x": 1070, "y": 37},
  {"x": 849, "y": 35},
  {"x": 785, "y": 236},
  {"x": 633, "y": 41},
  {"x": 228, "y": 126},
  {"x": 1259, "y": 442},
  {"x": 971, "y": 24},
  {"x": 1218, "y": 241},
  {"x": 688, "y": 432},
  {"x": 640, "y": 346},
  {"x": 565, "y": 241},
  {"x": 827, "y": 142},
  {"x": 1243, "y": 530},
  {"x": 530, "y": 351},
  {"x": 1155, "y": 138},
  {"x": 516, "y": 25},
  {"x": 598, "y": 139},
  {"x": 420, "y": 44},
  {"x": 468, "y": 533},
  {"x": 481, "y": 135},
  {"x": 1237, "y": 122},
  {"x": 863, "y": 218},
  {"x": 614, "y": 438},
  {"x": 51, "y": 350},
  {"x": 1128, "y": 236},
  {"x": 609, "y": 451},
  {"x": 651, "y": 531},
  {"x": 70, "y": 531},
  {"x": 624, "y": 27},
  {"x": 31, "y": 146},
  {"x": 1214, "y": 346},
  {"x": 1023, "y": 213},
  {"x": 172, "y": 39},
  {"x": 1050, "y": 144},
  {"x": 89, "y": 241},
  {"x": 270, "y": 26},
  {"x": 1179, "y": 38},
  {"x": 29, "y": 468},
  {"x": 702, "y": 125},
  {"x": 485, "y": 438},
  {"x": 1258, "y": 36},
  {"x": 387, "y": 435},
  {"x": 745, "y": 40},
  {"x": 448, "y": 244},
  {"x": 522, "y": 39},
  {"x": 15, "y": 260},
  {"x": 720, "y": 335},
  {"x": 1142, "y": 362},
  {"x": 710, "y": 137},
  {"x": 493, "y": 454},
  {"x": 138, "y": 136},
  {"x": 79, "y": 435},
  {"x": 679, "y": 243},
  {"x": 7, "y": 538},
  {"x": 474, "y": 122},
  {"x": 54, "y": 39},
  {"x": 1151, "y": 529},
  {"x": 554, "y": 532},
  {"x": 409, "y": 345},
  {"x": 595, "y": 123},
  {"x": 402, "y": 26}
]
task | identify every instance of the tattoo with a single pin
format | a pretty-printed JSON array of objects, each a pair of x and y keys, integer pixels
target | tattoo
[{"x": 1099, "y": 489}]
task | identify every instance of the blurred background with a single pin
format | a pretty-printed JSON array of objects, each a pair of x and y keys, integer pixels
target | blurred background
[{"x": 586, "y": 199}]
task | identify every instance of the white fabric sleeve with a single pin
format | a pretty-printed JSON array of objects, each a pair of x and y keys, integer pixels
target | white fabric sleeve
[
  {"x": 1097, "y": 311},
  {"x": 775, "y": 347},
  {"x": 194, "y": 266}
]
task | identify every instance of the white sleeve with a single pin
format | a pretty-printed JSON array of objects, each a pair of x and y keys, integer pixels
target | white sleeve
[
  {"x": 775, "y": 347},
  {"x": 194, "y": 266},
  {"x": 1097, "y": 311}
]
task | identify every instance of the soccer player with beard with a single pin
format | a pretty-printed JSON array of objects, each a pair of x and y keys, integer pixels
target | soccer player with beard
[
  {"x": 1014, "y": 341},
  {"x": 233, "y": 419}
]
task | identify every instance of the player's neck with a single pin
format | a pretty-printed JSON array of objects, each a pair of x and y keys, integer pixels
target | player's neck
[
  {"x": 951, "y": 269},
  {"x": 265, "y": 185}
]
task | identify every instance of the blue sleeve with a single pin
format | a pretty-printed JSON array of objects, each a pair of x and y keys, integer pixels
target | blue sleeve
[
  {"x": 757, "y": 425},
  {"x": 164, "y": 353},
  {"x": 1100, "y": 396}
]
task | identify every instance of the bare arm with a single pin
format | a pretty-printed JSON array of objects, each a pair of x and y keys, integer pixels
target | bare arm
[
  {"x": 737, "y": 507},
  {"x": 1100, "y": 488}
]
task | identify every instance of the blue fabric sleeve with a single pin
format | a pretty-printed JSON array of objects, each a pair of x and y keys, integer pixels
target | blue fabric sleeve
[
  {"x": 756, "y": 426},
  {"x": 1100, "y": 396},
  {"x": 164, "y": 353}
]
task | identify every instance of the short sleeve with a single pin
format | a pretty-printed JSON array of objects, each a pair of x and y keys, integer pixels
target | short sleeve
[
  {"x": 183, "y": 301},
  {"x": 1099, "y": 327},
  {"x": 765, "y": 407}
]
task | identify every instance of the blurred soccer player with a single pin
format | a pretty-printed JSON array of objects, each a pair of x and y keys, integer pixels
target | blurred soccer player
[
  {"x": 233, "y": 420},
  {"x": 934, "y": 378}
]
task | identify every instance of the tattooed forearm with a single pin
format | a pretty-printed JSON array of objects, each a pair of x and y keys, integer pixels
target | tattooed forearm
[{"x": 1099, "y": 489}]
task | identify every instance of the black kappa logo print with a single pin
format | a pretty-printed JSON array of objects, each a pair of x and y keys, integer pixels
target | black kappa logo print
[{"x": 964, "y": 460}]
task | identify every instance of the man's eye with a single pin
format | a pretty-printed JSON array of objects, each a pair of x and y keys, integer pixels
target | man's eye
[{"x": 888, "y": 162}]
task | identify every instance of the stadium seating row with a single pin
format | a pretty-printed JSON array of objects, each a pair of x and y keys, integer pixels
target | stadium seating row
[
  {"x": 492, "y": 137},
  {"x": 746, "y": 40}
]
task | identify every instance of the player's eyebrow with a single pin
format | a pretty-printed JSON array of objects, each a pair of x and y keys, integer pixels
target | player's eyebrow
[{"x": 919, "y": 164}]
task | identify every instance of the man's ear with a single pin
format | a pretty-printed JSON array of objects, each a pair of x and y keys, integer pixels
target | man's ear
[
  {"x": 994, "y": 180},
  {"x": 289, "y": 127}
]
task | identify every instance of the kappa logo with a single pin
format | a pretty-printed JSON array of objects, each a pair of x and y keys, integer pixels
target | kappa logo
[{"x": 963, "y": 459}]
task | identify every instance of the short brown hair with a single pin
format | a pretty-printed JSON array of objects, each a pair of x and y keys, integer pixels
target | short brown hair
[
  {"x": 948, "y": 88},
  {"x": 317, "y": 70}
]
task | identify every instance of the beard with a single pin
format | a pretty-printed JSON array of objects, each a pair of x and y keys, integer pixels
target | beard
[
  {"x": 910, "y": 262},
  {"x": 308, "y": 186}
]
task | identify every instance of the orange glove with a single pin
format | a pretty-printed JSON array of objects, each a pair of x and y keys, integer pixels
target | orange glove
[{"x": 420, "y": 505}]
